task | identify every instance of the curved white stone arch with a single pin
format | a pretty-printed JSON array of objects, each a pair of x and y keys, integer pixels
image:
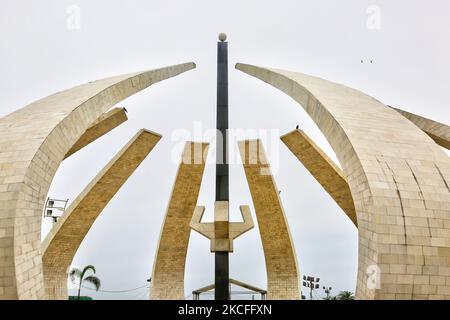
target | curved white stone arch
[
  {"x": 399, "y": 180},
  {"x": 33, "y": 142}
]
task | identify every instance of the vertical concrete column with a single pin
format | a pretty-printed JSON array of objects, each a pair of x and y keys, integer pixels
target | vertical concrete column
[
  {"x": 283, "y": 281},
  {"x": 169, "y": 265}
]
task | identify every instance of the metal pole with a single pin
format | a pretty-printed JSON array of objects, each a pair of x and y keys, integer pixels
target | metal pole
[{"x": 222, "y": 180}]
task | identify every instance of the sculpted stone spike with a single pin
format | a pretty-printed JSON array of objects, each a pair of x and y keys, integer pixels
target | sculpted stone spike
[
  {"x": 236, "y": 229},
  {"x": 33, "y": 142},
  {"x": 399, "y": 180},
  {"x": 104, "y": 124},
  {"x": 221, "y": 232},
  {"x": 169, "y": 266},
  {"x": 281, "y": 263},
  {"x": 323, "y": 169},
  {"x": 437, "y": 131},
  {"x": 63, "y": 241}
]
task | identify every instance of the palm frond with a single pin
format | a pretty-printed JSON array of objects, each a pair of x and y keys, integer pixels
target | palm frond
[
  {"x": 74, "y": 273},
  {"x": 94, "y": 280},
  {"x": 86, "y": 269},
  {"x": 89, "y": 267},
  {"x": 346, "y": 295}
]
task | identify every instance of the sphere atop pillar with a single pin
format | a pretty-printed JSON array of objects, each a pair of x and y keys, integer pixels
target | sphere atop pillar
[{"x": 222, "y": 37}]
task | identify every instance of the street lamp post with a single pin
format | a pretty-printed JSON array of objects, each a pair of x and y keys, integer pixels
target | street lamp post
[
  {"x": 327, "y": 291},
  {"x": 311, "y": 283}
]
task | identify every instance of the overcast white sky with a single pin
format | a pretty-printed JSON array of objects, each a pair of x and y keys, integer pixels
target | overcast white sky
[{"x": 41, "y": 53}]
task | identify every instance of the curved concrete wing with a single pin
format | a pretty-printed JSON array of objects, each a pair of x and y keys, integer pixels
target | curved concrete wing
[
  {"x": 61, "y": 244},
  {"x": 33, "y": 142},
  {"x": 437, "y": 131},
  {"x": 104, "y": 124},
  {"x": 399, "y": 180},
  {"x": 283, "y": 280},
  {"x": 169, "y": 266},
  {"x": 323, "y": 169}
]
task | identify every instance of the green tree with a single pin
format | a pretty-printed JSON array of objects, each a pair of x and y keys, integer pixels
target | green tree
[
  {"x": 345, "y": 295},
  {"x": 77, "y": 274}
]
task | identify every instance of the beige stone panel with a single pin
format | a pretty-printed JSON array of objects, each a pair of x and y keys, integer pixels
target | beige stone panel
[
  {"x": 33, "y": 142},
  {"x": 439, "y": 132},
  {"x": 323, "y": 169},
  {"x": 169, "y": 266},
  {"x": 66, "y": 236},
  {"x": 99, "y": 128},
  {"x": 281, "y": 263},
  {"x": 395, "y": 172}
]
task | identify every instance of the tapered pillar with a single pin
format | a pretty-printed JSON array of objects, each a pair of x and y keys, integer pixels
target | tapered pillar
[
  {"x": 281, "y": 262},
  {"x": 169, "y": 265},
  {"x": 222, "y": 286},
  {"x": 63, "y": 241}
]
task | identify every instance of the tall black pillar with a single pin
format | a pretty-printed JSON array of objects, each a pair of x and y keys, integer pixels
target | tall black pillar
[{"x": 222, "y": 277}]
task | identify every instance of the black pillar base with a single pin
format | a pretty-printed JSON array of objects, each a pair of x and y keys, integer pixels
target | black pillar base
[{"x": 222, "y": 277}]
